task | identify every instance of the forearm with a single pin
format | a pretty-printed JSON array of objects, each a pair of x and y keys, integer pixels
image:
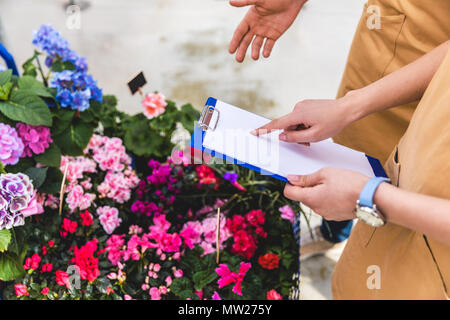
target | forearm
[
  {"x": 421, "y": 213},
  {"x": 405, "y": 85}
]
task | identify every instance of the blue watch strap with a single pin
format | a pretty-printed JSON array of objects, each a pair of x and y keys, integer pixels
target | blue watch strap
[{"x": 366, "y": 196}]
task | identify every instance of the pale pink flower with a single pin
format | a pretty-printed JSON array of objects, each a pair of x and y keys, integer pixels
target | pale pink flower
[
  {"x": 109, "y": 218},
  {"x": 76, "y": 198},
  {"x": 154, "y": 104},
  {"x": 287, "y": 213},
  {"x": 35, "y": 206}
]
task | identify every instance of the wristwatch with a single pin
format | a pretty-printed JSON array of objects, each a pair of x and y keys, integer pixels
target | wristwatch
[{"x": 365, "y": 209}]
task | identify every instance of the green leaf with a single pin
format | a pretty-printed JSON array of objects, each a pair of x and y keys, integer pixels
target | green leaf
[
  {"x": 5, "y": 76},
  {"x": 51, "y": 157},
  {"x": 203, "y": 278},
  {"x": 2, "y": 168},
  {"x": 5, "y": 238},
  {"x": 30, "y": 85},
  {"x": 64, "y": 118},
  {"x": 52, "y": 184},
  {"x": 75, "y": 138},
  {"x": 82, "y": 134},
  {"x": 188, "y": 116},
  {"x": 37, "y": 175},
  {"x": 181, "y": 284},
  {"x": 5, "y": 90},
  {"x": 10, "y": 267},
  {"x": 28, "y": 82},
  {"x": 21, "y": 166},
  {"x": 27, "y": 108},
  {"x": 29, "y": 69}
]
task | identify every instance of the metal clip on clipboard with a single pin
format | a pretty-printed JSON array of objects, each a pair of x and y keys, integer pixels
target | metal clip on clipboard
[{"x": 206, "y": 116}]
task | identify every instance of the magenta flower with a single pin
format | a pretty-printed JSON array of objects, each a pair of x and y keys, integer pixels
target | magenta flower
[
  {"x": 11, "y": 146},
  {"x": 35, "y": 139},
  {"x": 227, "y": 277}
]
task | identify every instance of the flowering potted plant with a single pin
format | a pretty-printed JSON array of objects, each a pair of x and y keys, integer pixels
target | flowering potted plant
[{"x": 113, "y": 211}]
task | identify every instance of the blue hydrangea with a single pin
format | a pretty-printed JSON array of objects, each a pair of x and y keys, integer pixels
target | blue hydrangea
[{"x": 74, "y": 88}]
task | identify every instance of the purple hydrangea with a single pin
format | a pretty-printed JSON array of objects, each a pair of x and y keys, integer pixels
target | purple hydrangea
[
  {"x": 11, "y": 146},
  {"x": 74, "y": 87},
  {"x": 16, "y": 193}
]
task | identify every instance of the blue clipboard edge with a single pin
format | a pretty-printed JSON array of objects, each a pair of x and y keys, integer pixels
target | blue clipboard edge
[{"x": 197, "y": 143}]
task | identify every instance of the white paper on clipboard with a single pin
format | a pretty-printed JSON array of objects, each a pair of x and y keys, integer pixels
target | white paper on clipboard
[{"x": 231, "y": 137}]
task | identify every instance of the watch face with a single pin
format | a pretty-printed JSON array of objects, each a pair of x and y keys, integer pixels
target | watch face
[{"x": 369, "y": 216}]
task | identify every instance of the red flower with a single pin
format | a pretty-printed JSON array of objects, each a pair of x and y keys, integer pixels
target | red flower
[
  {"x": 21, "y": 290},
  {"x": 45, "y": 291},
  {"x": 51, "y": 243},
  {"x": 62, "y": 279},
  {"x": 269, "y": 261},
  {"x": 273, "y": 295},
  {"x": 236, "y": 223},
  {"x": 44, "y": 250},
  {"x": 85, "y": 260},
  {"x": 86, "y": 218},
  {"x": 244, "y": 244},
  {"x": 255, "y": 217},
  {"x": 48, "y": 267},
  {"x": 68, "y": 226},
  {"x": 33, "y": 262},
  {"x": 206, "y": 176}
]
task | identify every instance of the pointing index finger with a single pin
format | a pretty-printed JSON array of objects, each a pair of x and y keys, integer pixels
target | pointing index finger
[{"x": 276, "y": 124}]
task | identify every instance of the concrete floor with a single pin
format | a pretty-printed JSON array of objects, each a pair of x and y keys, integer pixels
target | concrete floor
[{"x": 182, "y": 48}]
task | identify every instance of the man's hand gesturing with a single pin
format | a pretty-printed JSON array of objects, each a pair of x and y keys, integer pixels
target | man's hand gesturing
[{"x": 266, "y": 19}]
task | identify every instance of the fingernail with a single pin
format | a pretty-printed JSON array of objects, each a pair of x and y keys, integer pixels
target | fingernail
[
  {"x": 292, "y": 177},
  {"x": 254, "y": 132},
  {"x": 282, "y": 137}
]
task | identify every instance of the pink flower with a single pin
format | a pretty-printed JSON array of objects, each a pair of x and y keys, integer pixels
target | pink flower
[
  {"x": 157, "y": 267},
  {"x": 128, "y": 297},
  {"x": 216, "y": 296},
  {"x": 170, "y": 242},
  {"x": 273, "y": 295},
  {"x": 21, "y": 290},
  {"x": 155, "y": 294},
  {"x": 35, "y": 138},
  {"x": 109, "y": 218},
  {"x": 45, "y": 291},
  {"x": 154, "y": 104},
  {"x": 191, "y": 233},
  {"x": 178, "y": 273},
  {"x": 168, "y": 281},
  {"x": 287, "y": 213},
  {"x": 35, "y": 206}
]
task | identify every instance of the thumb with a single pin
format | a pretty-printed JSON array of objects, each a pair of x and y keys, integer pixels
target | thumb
[
  {"x": 310, "y": 180},
  {"x": 242, "y": 3}
]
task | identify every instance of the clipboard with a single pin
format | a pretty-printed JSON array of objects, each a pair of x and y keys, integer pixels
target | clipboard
[{"x": 217, "y": 116}]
